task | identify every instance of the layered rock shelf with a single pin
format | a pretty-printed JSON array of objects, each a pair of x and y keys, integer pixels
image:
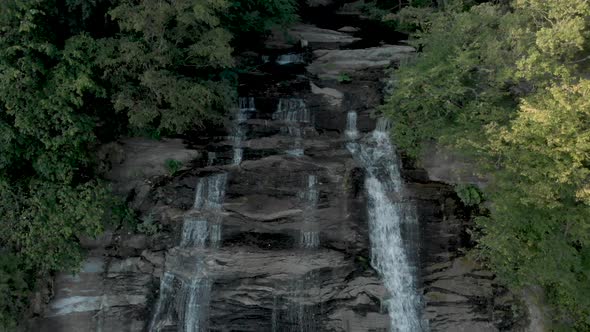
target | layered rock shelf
[{"x": 291, "y": 247}]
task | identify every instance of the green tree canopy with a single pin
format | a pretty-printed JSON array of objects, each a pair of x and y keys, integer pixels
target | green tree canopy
[
  {"x": 77, "y": 73},
  {"x": 507, "y": 84}
]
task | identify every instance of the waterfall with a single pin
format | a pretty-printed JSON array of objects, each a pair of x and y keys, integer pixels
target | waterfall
[
  {"x": 185, "y": 302},
  {"x": 246, "y": 106},
  {"x": 211, "y": 156},
  {"x": 294, "y": 114},
  {"x": 383, "y": 126},
  {"x": 209, "y": 197},
  {"x": 195, "y": 297},
  {"x": 194, "y": 232},
  {"x": 310, "y": 237},
  {"x": 302, "y": 310},
  {"x": 303, "y": 291},
  {"x": 164, "y": 307},
  {"x": 238, "y": 156},
  {"x": 351, "y": 132},
  {"x": 210, "y": 192},
  {"x": 292, "y": 110},
  {"x": 390, "y": 217}
]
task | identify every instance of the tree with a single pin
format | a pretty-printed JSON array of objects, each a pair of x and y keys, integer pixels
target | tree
[
  {"x": 508, "y": 86},
  {"x": 164, "y": 67},
  {"x": 66, "y": 68},
  {"x": 47, "y": 200}
]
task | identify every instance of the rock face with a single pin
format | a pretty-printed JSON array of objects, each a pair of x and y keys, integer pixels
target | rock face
[
  {"x": 330, "y": 64},
  {"x": 277, "y": 239},
  {"x": 445, "y": 166},
  {"x": 315, "y": 37}
]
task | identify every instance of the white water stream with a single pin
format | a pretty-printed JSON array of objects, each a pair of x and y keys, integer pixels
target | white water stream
[
  {"x": 246, "y": 107},
  {"x": 295, "y": 117},
  {"x": 389, "y": 214},
  {"x": 183, "y": 301}
]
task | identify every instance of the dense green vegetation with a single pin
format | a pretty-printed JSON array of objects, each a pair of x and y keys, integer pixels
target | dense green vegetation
[
  {"x": 77, "y": 73},
  {"x": 506, "y": 83},
  {"x": 503, "y": 82}
]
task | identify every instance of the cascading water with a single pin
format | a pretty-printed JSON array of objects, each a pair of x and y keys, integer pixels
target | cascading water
[
  {"x": 304, "y": 291},
  {"x": 185, "y": 302},
  {"x": 351, "y": 132},
  {"x": 310, "y": 238},
  {"x": 208, "y": 202},
  {"x": 390, "y": 217},
  {"x": 294, "y": 114},
  {"x": 211, "y": 156},
  {"x": 194, "y": 232},
  {"x": 292, "y": 110},
  {"x": 246, "y": 106}
]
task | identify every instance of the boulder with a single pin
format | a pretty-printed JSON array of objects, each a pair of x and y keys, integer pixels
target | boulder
[
  {"x": 333, "y": 96},
  {"x": 348, "y": 29},
  {"x": 331, "y": 64},
  {"x": 447, "y": 166},
  {"x": 312, "y": 36}
]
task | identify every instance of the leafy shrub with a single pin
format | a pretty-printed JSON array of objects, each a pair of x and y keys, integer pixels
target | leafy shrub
[
  {"x": 344, "y": 78},
  {"x": 148, "y": 225},
  {"x": 173, "y": 166},
  {"x": 511, "y": 91},
  {"x": 469, "y": 194}
]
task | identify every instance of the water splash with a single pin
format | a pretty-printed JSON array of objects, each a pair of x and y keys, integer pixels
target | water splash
[{"x": 390, "y": 218}]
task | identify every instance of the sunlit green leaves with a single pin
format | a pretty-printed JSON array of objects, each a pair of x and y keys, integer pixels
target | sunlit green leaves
[
  {"x": 66, "y": 68},
  {"x": 509, "y": 86}
]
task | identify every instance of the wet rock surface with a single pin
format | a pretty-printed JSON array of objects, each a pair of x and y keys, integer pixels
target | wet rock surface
[{"x": 262, "y": 275}]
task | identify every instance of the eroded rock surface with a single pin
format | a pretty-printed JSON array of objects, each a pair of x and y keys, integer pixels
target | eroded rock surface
[
  {"x": 314, "y": 37},
  {"x": 262, "y": 278},
  {"x": 331, "y": 64}
]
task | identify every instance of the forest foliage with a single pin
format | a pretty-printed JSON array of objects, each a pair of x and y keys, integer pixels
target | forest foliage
[
  {"x": 77, "y": 73},
  {"x": 506, "y": 83}
]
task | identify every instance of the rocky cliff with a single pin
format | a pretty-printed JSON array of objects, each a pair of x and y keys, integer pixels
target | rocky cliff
[{"x": 283, "y": 159}]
